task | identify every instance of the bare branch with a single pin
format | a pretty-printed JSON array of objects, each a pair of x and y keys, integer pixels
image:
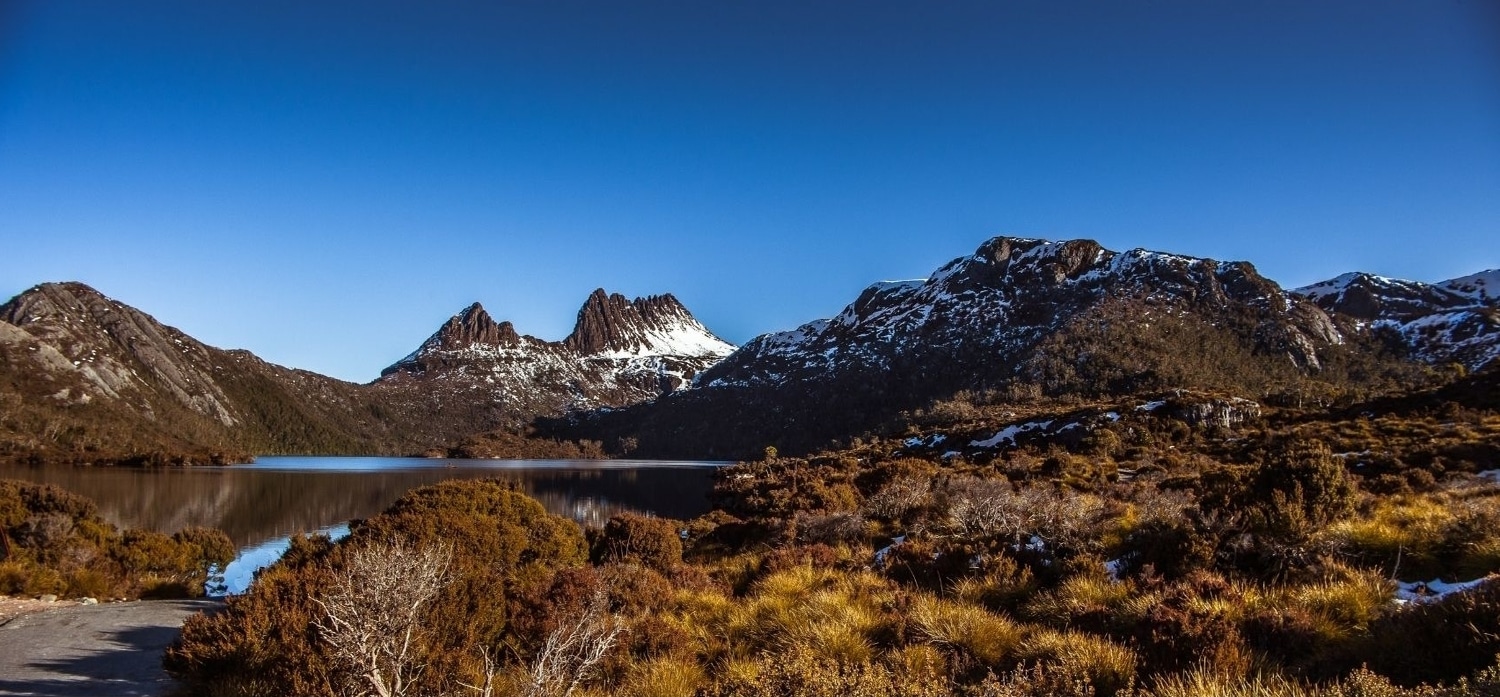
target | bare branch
[
  {"x": 573, "y": 651},
  {"x": 372, "y": 612}
]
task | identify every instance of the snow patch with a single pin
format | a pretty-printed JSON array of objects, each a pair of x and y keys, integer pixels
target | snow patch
[
  {"x": 883, "y": 552},
  {"x": 1009, "y": 433},
  {"x": 1434, "y": 590}
]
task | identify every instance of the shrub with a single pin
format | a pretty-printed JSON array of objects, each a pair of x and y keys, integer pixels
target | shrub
[
  {"x": 637, "y": 539},
  {"x": 1299, "y": 489},
  {"x": 264, "y": 642}
]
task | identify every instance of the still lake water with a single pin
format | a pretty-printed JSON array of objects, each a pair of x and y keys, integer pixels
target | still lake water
[{"x": 261, "y": 504}]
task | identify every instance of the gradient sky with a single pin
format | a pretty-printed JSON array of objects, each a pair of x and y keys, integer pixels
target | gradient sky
[{"x": 324, "y": 183}]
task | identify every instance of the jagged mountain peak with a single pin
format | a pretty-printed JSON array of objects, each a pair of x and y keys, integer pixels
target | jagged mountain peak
[
  {"x": 654, "y": 325},
  {"x": 475, "y": 326},
  {"x": 620, "y": 352}
]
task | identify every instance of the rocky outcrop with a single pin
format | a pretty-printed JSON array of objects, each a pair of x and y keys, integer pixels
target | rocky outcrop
[
  {"x": 117, "y": 351},
  {"x": 657, "y": 324},
  {"x": 474, "y": 326}
]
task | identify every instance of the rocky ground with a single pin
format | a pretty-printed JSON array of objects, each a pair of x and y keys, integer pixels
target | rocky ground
[{"x": 11, "y": 608}]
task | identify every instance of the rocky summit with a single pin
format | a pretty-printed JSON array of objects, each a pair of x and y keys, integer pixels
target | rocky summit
[
  {"x": 986, "y": 318},
  {"x": 620, "y": 352}
]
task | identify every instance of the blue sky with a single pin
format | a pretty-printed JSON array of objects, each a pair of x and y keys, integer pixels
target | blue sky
[{"x": 325, "y": 183}]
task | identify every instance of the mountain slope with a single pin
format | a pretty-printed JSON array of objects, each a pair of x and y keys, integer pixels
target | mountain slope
[
  {"x": 620, "y": 352},
  {"x": 88, "y": 378},
  {"x": 1454, "y": 321},
  {"x": 1022, "y": 319}
]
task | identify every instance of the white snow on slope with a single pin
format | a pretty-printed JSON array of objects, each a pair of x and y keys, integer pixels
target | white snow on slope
[
  {"x": 1483, "y": 286},
  {"x": 684, "y": 338}
]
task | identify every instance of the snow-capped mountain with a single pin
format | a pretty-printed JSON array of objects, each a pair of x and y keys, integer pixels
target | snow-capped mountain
[
  {"x": 620, "y": 352},
  {"x": 983, "y": 316},
  {"x": 1016, "y": 319},
  {"x": 1452, "y": 321}
]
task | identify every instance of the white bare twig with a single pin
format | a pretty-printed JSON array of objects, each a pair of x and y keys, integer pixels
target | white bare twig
[
  {"x": 372, "y": 612},
  {"x": 572, "y": 652}
]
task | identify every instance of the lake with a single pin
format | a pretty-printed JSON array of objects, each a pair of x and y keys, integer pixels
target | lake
[{"x": 260, "y": 505}]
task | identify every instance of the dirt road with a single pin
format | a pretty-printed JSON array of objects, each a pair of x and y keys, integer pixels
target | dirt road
[{"x": 109, "y": 649}]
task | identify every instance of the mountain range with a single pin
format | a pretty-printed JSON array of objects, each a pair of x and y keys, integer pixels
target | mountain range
[{"x": 86, "y": 378}]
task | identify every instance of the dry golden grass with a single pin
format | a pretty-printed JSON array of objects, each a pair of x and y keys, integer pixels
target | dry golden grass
[
  {"x": 1109, "y": 666},
  {"x": 988, "y": 637},
  {"x": 1342, "y": 605},
  {"x": 663, "y": 677},
  {"x": 1210, "y": 684},
  {"x": 1078, "y": 595},
  {"x": 831, "y": 613}
]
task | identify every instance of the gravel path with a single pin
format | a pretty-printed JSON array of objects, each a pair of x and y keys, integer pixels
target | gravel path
[{"x": 109, "y": 649}]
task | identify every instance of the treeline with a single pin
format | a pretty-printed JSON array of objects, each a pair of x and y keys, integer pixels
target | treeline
[{"x": 506, "y": 444}]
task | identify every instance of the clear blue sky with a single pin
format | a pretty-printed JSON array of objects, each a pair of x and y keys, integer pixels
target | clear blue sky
[{"x": 324, "y": 183}]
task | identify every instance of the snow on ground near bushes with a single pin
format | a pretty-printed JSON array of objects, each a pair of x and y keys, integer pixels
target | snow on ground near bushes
[
  {"x": 885, "y": 551},
  {"x": 1009, "y": 433},
  {"x": 1434, "y": 590}
]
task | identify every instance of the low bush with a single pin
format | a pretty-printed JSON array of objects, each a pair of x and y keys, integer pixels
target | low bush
[
  {"x": 637, "y": 539},
  {"x": 53, "y": 541}
]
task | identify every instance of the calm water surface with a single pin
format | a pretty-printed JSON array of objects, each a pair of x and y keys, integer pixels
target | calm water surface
[{"x": 261, "y": 504}]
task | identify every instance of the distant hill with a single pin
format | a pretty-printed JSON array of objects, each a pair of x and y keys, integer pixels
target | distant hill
[{"x": 87, "y": 378}]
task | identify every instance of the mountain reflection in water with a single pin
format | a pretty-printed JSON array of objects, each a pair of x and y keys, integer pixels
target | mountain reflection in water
[{"x": 280, "y": 496}]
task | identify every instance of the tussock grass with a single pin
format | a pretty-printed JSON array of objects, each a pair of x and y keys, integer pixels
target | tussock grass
[
  {"x": 1110, "y": 667},
  {"x": 1002, "y": 587},
  {"x": 1077, "y": 596},
  {"x": 1341, "y": 606},
  {"x": 988, "y": 637},
  {"x": 663, "y": 677},
  {"x": 1203, "y": 683},
  {"x": 836, "y": 615}
]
